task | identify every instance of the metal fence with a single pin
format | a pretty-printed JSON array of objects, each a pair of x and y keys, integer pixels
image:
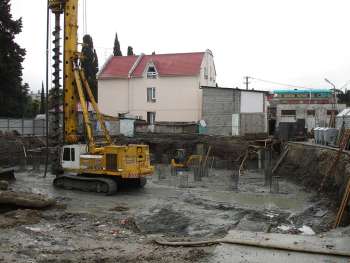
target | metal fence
[{"x": 23, "y": 126}]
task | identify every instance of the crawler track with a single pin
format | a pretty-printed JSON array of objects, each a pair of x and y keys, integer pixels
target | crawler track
[{"x": 87, "y": 184}]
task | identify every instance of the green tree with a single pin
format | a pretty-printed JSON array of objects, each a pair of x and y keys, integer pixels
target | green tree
[
  {"x": 89, "y": 63},
  {"x": 116, "y": 49},
  {"x": 42, "y": 100},
  {"x": 12, "y": 92},
  {"x": 130, "y": 51},
  {"x": 35, "y": 108},
  {"x": 26, "y": 103}
]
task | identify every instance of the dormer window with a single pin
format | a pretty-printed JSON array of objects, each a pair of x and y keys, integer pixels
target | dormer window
[{"x": 151, "y": 72}]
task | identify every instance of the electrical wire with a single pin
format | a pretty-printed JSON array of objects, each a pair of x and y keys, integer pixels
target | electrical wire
[
  {"x": 345, "y": 85},
  {"x": 278, "y": 83}
]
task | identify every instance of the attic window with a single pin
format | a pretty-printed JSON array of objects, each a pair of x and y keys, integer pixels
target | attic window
[
  {"x": 205, "y": 73},
  {"x": 151, "y": 72}
]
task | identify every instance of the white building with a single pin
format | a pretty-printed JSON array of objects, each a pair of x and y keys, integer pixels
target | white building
[{"x": 162, "y": 87}]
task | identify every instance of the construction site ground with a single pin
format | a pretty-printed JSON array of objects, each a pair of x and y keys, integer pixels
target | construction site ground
[{"x": 89, "y": 227}]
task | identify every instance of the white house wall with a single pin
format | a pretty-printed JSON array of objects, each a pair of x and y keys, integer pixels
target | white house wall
[
  {"x": 209, "y": 66},
  {"x": 252, "y": 102},
  {"x": 113, "y": 96},
  {"x": 177, "y": 98}
]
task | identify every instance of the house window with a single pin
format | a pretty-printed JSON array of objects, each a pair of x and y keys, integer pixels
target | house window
[
  {"x": 151, "y": 72},
  {"x": 288, "y": 112},
  {"x": 151, "y": 117},
  {"x": 310, "y": 112},
  {"x": 151, "y": 94},
  {"x": 205, "y": 73}
]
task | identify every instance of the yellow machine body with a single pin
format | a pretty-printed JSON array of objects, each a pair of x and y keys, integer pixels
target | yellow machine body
[{"x": 132, "y": 161}]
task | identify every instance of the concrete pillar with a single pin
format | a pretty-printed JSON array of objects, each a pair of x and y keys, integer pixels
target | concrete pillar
[{"x": 259, "y": 159}]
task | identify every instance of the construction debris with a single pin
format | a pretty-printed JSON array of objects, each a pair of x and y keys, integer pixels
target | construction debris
[
  {"x": 19, "y": 217},
  {"x": 4, "y": 185}
]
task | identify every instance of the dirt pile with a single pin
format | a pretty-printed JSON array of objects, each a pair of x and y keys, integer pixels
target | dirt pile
[
  {"x": 163, "y": 220},
  {"x": 25, "y": 200}
]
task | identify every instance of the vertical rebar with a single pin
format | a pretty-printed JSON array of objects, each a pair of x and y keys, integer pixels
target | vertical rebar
[{"x": 267, "y": 170}]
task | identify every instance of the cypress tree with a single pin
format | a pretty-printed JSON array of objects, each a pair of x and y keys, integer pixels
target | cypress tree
[
  {"x": 89, "y": 64},
  {"x": 42, "y": 100},
  {"x": 12, "y": 92},
  {"x": 130, "y": 51},
  {"x": 116, "y": 49}
]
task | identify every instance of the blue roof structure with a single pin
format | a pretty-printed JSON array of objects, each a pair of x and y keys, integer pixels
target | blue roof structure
[{"x": 302, "y": 91}]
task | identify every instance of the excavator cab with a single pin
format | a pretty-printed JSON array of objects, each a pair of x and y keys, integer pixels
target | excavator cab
[
  {"x": 182, "y": 162},
  {"x": 180, "y": 156}
]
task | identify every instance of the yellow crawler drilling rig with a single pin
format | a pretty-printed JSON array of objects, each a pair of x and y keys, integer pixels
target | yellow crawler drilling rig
[{"x": 87, "y": 166}]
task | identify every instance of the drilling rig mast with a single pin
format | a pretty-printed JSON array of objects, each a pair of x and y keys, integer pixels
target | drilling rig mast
[{"x": 95, "y": 167}]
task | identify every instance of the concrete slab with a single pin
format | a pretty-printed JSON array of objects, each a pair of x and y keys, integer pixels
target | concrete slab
[{"x": 238, "y": 253}]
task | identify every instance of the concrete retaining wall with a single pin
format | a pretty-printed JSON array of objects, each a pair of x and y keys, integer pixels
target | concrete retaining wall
[
  {"x": 253, "y": 123},
  {"x": 167, "y": 128},
  {"x": 308, "y": 164}
]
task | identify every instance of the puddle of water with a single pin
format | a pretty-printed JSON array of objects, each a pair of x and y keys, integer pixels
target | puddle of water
[{"x": 270, "y": 201}]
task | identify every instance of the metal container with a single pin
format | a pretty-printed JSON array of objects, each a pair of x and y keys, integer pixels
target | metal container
[
  {"x": 321, "y": 135},
  {"x": 330, "y": 136},
  {"x": 317, "y": 135}
]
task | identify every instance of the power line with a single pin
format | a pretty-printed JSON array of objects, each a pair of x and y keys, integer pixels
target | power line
[{"x": 279, "y": 83}]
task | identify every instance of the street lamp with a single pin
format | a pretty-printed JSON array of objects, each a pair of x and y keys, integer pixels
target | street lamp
[{"x": 331, "y": 83}]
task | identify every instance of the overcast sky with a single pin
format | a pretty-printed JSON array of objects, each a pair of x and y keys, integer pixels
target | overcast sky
[{"x": 298, "y": 42}]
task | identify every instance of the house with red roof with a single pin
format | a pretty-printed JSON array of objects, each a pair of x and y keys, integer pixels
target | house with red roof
[{"x": 157, "y": 87}]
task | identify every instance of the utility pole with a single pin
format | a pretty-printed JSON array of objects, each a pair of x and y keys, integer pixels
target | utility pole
[
  {"x": 332, "y": 119},
  {"x": 334, "y": 93},
  {"x": 246, "y": 82}
]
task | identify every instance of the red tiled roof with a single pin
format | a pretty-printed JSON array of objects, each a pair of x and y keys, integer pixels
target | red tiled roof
[
  {"x": 118, "y": 67},
  {"x": 179, "y": 64}
]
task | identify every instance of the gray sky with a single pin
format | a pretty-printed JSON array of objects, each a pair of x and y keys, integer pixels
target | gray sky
[{"x": 289, "y": 41}]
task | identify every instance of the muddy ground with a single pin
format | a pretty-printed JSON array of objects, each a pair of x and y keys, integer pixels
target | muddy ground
[{"x": 88, "y": 227}]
